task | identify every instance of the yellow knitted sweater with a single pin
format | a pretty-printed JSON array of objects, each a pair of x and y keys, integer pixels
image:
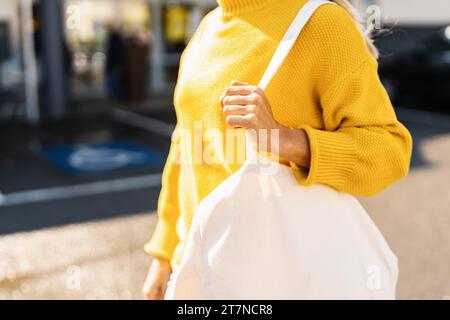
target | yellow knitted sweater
[{"x": 328, "y": 85}]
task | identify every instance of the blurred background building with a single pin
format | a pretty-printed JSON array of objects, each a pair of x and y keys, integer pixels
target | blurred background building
[
  {"x": 65, "y": 45},
  {"x": 86, "y": 116}
]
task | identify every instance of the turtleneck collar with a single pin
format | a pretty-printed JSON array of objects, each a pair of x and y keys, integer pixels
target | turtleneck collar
[{"x": 234, "y": 7}]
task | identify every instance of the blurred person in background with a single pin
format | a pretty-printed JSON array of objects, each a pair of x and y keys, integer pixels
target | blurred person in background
[
  {"x": 115, "y": 55},
  {"x": 135, "y": 69},
  {"x": 337, "y": 125}
]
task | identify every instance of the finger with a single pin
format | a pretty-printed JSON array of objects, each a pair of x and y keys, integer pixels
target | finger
[
  {"x": 241, "y": 100},
  {"x": 229, "y": 110},
  {"x": 160, "y": 293},
  {"x": 164, "y": 288},
  {"x": 240, "y": 121},
  {"x": 222, "y": 96},
  {"x": 150, "y": 294},
  {"x": 240, "y": 90},
  {"x": 147, "y": 289},
  {"x": 155, "y": 293},
  {"x": 239, "y": 83}
]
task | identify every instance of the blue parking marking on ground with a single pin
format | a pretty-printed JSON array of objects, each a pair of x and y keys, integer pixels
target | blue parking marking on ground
[{"x": 101, "y": 157}]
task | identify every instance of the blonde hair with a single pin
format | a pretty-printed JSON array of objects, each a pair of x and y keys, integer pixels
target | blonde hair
[{"x": 366, "y": 32}]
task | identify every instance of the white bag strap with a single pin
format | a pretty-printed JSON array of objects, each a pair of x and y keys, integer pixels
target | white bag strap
[
  {"x": 302, "y": 18},
  {"x": 291, "y": 35}
]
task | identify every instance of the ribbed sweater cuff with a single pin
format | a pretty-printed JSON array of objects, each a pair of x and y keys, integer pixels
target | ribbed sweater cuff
[
  {"x": 162, "y": 243},
  {"x": 333, "y": 156}
]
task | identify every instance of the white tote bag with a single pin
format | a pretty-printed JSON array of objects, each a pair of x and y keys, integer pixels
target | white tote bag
[{"x": 261, "y": 235}]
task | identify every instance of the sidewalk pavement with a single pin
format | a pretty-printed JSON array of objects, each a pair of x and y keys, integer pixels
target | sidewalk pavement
[
  {"x": 97, "y": 260},
  {"x": 104, "y": 260},
  {"x": 414, "y": 216}
]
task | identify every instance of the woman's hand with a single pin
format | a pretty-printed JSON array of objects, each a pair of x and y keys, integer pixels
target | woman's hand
[
  {"x": 246, "y": 106},
  {"x": 156, "y": 282}
]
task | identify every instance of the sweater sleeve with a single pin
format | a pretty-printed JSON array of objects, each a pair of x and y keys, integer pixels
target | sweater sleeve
[
  {"x": 164, "y": 239},
  {"x": 362, "y": 147}
]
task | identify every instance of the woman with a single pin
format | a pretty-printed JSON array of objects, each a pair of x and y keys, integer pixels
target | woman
[{"x": 336, "y": 123}]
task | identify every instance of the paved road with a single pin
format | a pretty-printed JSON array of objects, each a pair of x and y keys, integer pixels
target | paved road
[
  {"x": 26, "y": 175},
  {"x": 414, "y": 216},
  {"x": 104, "y": 259}
]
